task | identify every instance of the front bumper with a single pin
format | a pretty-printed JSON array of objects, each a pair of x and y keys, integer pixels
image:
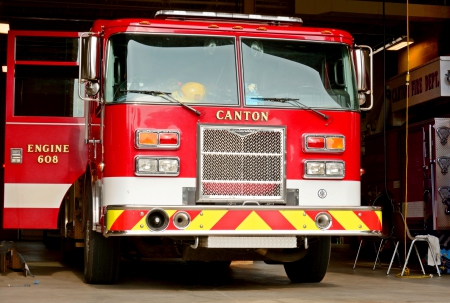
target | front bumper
[{"x": 129, "y": 220}]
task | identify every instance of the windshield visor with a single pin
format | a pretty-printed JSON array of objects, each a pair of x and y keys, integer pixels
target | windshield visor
[
  {"x": 160, "y": 68},
  {"x": 318, "y": 75}
]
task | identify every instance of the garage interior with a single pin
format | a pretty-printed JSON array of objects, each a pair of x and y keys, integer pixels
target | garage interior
[{"x": 373, "y": 23}]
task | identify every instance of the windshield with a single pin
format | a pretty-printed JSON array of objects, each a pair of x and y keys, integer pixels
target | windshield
[
  {"x": 318, "y": 75},
  {"x": 156, "y": 68}
]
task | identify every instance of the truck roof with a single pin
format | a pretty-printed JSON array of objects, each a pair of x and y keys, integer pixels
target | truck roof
[{"x": 231, "y": 23}]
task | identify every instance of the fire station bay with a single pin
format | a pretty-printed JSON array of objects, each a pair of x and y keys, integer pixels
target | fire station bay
[{"x": 257, "y": 151}]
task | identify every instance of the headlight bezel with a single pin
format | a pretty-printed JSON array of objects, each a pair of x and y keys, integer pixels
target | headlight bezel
[
  {"x": 157, "y": 160},
  {"x": 324, "y": 172}
]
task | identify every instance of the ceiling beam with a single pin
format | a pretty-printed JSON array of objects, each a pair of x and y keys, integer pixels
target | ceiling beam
[{"x": 372, "y": 9}]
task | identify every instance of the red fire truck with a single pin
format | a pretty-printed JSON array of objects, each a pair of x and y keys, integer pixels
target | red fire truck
[{"x": 207, "y": 136}]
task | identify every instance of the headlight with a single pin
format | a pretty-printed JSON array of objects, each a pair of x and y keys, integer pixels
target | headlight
[
  {"x": 168, "y": 165},
  {"x": 157, "y": 166},
  {"x": 334, "y": 168},
  {"x": 324, "y": 169},
  {"x": 315, "y": 168},
  {"x": 145, "y": 165}
]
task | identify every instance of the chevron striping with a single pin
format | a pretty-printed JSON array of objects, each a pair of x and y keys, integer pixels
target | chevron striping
[
  {"x": 298, "y": 220},
  {"x": 141, "y": 222},
  {"x": 112, "y": 217},
  {"x": 275, "y": 220},
  {"x": 231, "y": 220},
  {"x": 170, "y": 212},
  {"x": 206, "y": 220},
  {"x": 127, "y": 219},
  {"x": 253, "y": 222},
  {"x": 335, "y": 224},
  {"x": 250, "y": 220},
  {"x": 349, "y": 220},
  {"x": 371, "y": 219},
  {"x": 380, "y": 215}
]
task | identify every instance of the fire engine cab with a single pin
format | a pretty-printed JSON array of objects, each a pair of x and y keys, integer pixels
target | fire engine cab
[{"x": 206, "y": 136}]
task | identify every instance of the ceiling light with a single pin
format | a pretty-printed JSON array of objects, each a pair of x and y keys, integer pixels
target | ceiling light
[
  {"x": 399, "y": 43},
  {"x": 4, "y": 68},
  {"x": 4, "y": 28},
  {"x": 396, "y": 44}
]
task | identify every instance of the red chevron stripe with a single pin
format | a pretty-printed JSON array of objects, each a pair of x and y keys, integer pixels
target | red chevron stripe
[
  {"x": 231, "y": 220},
  {"x": 335, "y": 225},
  {"x": 371, "y": 219},
  {"x": 275, "y": 220},
  {"x": 193, "y": 213},
  {"x": 128, "y": 219}
]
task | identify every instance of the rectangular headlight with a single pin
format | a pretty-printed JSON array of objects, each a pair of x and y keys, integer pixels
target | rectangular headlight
[
  {"x": 324, "y": 169},
  {"x": 335, "y": 169},
  {"x": 146, "y": 165},
  {"x": 168, "y": 165},
  {"x": 315, "y": 168},
  {"x": 157, "y": 166}
]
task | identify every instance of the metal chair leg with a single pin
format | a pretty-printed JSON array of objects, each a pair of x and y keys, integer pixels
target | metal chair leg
[
  {"x": 435, "y": 261},
  {"x": 357, "y": 254},
  {"x": 420, "y": 260},
  {"x": 378, "y": 252},
  {"x": 407, "y": 257},
  {"x": 392, "y": 259},
  {"x": 399, "y": 260}
]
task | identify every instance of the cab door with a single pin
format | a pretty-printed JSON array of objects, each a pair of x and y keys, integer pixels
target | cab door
[{"x": 45, "y": 151}]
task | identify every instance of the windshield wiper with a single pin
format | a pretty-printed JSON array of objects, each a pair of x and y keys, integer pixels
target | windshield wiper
[
  {"x": 295, "y": 102},
  {"x": 163, "y": 95}
]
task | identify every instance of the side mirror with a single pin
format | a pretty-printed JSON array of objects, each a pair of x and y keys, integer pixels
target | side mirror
[
  {"x": 89, "y": 58},
  {"x": 89, "y": 64},
  {"x": 363, "y": 67}
]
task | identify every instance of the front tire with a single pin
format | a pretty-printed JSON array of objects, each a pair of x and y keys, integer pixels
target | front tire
[
  {"x": 313, "y": 267},
  {"x": 101, "y": 254}
]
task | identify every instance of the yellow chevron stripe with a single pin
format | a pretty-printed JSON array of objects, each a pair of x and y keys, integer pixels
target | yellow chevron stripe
[
  {"x": 298, "y": 220},
  {"x": 379, "y": 214},
  {"x": 170, "y": 212},
  {"x": 112, "y": 217},
  {"x": 141, "y": 222},
  {"x": 349, "y": 220},
  {"x": 206, "y": 219},
  {"x": 253, "y": 222}
]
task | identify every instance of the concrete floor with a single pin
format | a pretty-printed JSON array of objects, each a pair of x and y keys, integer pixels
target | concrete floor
[{"x": 175, "y": 281}]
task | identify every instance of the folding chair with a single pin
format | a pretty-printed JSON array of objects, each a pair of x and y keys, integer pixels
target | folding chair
[
  {"x": 387, "y": 205},
  {"x": 402, "y": 234}
]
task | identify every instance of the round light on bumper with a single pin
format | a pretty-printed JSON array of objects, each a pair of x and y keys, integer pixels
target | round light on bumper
[
  {"x": 157, "y": 220},
  {"x": 323, "y": 221}
]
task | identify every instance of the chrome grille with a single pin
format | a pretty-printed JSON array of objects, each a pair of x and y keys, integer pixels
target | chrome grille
[{"x": 240, "y": 163}]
